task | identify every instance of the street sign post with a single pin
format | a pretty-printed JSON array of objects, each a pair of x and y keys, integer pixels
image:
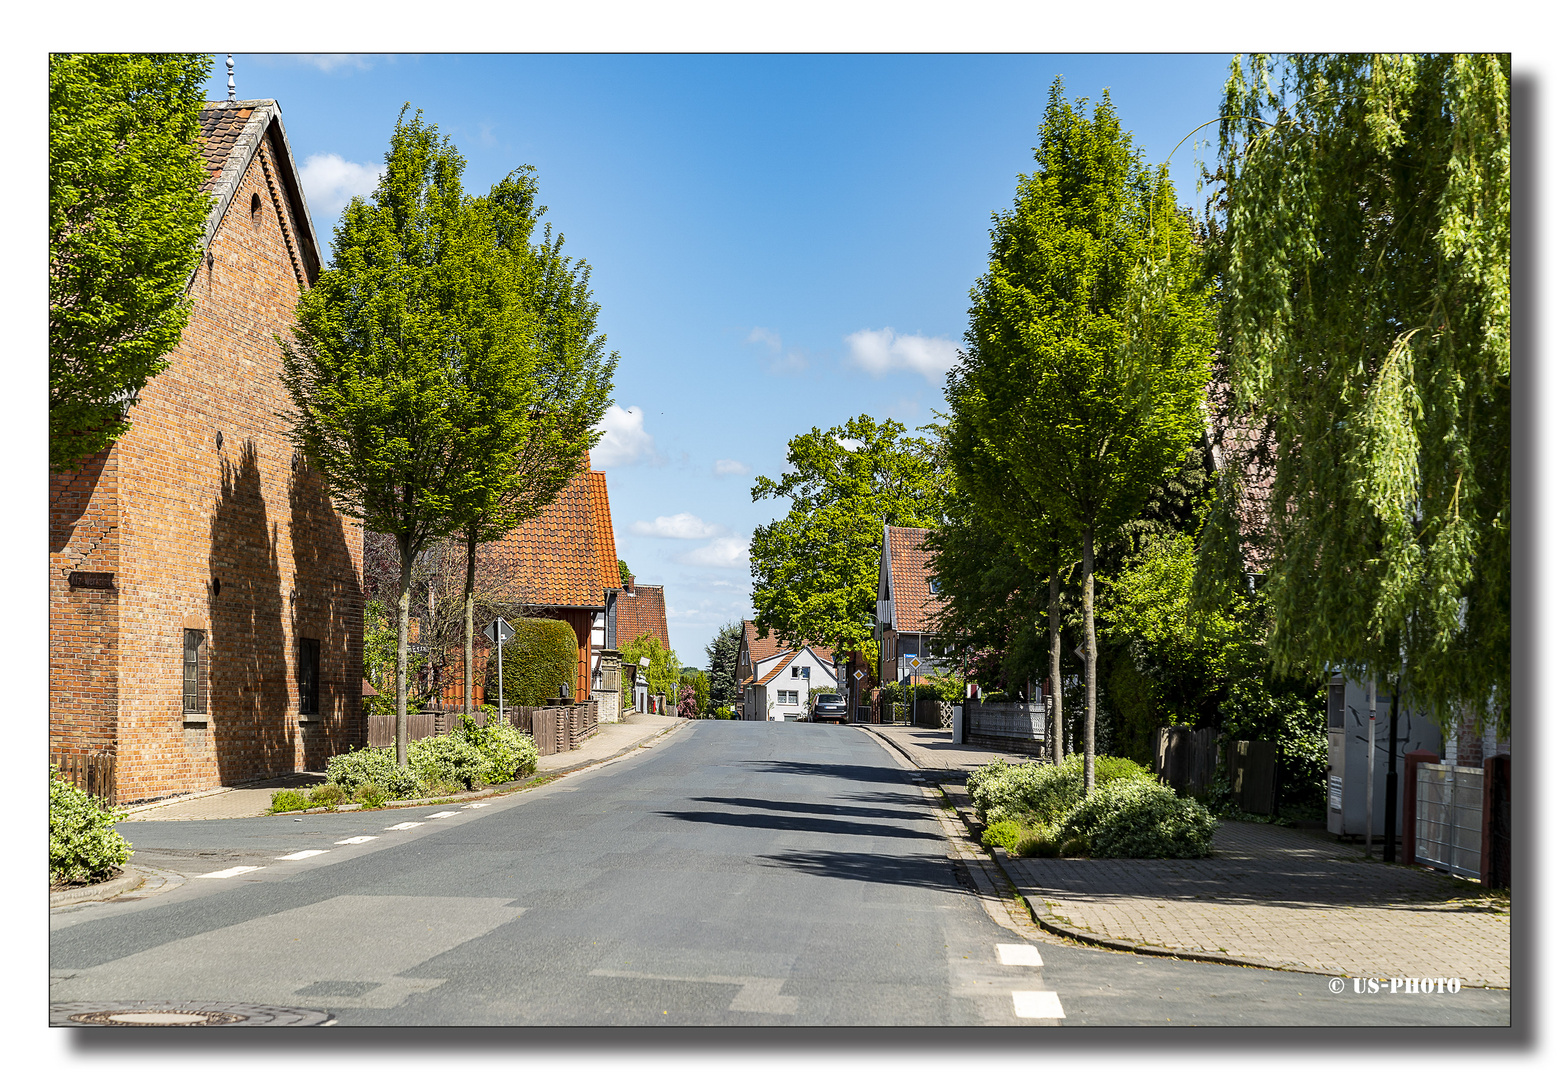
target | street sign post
[{"x": 499, "y": 632}]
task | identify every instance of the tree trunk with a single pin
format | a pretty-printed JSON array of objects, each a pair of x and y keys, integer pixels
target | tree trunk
[
  {"x": 402, "y": 626},
  {"x": 1056, "y": 667},
  {"x": 1090, "y": 655},
  {"x": 471, "y": 610}
]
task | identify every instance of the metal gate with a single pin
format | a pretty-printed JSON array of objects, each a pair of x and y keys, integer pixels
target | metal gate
[{"x": 1449, "y": 817}]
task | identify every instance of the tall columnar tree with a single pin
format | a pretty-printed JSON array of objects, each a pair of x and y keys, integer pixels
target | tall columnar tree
[
  {"x": 1367, "y": 277},
  {"x": 535, "y": 401},
  {"x": 389, "y": 344},
  {"x": 1090, "y": 333},
  {"x": 815, "y": 571},
  {"x": 722, "y": 654},
  {"x": 126, "y": 217}
]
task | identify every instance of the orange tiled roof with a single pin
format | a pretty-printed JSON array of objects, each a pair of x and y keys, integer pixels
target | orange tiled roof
[
  {"x": 909, "y": 567},
  {"x": 642, "y": 611},
  {"x": 763, "y": 647},
  {"x": 781, "y": 666},
  {"x": 560, "y": 558}
]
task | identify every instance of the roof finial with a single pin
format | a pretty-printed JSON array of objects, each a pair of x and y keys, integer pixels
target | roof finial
[{"x": 232, "y": 86}]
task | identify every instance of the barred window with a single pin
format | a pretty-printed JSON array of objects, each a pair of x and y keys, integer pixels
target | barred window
[
  {"x": 308, "y": 675},
  {"x": 195, "y": 671}
]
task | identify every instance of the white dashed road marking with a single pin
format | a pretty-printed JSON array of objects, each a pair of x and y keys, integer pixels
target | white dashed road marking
[
  {"x": 357, "y": 839},
  {"x": 445, "y": 813},
  {"x": 1027, "y": 955},
  {"x": 232, "y": 871},
  {"x": 475, "y": 805},
  {"x": 1037, "y": 1005},
  {"x": 309, "y": 854},
  {"x": 407, "y": 825}
]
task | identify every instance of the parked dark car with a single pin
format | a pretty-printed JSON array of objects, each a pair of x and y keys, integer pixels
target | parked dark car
[{"x": 827, "y": 709}]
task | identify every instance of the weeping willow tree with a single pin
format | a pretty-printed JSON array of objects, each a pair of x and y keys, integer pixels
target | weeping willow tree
[{"x": 1368, "y": 308}]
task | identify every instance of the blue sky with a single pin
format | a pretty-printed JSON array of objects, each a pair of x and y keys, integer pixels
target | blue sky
[{"x": 777, "y": 242}]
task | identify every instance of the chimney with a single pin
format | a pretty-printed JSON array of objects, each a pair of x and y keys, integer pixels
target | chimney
[{"x": 628, "y": 584}]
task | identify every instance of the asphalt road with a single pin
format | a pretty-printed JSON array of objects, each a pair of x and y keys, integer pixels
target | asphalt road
[{"x": 733, "y": 874}]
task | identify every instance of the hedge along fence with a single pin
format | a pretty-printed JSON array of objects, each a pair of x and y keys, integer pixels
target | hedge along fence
[
  {"x": 554, "y": 729},
  {"x": 543, "y": 655}
]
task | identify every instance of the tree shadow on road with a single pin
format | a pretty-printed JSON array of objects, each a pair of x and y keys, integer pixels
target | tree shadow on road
[
  {"x": 851, "y": 810},
  {"x": 912, "y": 871},
  {"x": 798, "y": 823},
  {"x": 858, "y": 774}
]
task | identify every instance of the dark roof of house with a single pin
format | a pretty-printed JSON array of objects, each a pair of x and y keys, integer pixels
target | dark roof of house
[
  {"x": 642, "y": 611},
  {"x": 564, "y": 557},
  {"x": 909, "y": 569},
  {"x": 231, "y": 135}
]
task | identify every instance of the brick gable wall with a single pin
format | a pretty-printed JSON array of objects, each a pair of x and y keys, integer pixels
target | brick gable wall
[{"x": 177, "y": 514}]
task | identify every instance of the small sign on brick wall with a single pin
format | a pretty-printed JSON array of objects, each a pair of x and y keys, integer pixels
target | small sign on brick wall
[{"x": 89, "y": 579}]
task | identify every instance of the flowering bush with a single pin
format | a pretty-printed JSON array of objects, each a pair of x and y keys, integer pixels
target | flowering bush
[
  {"x": 372, "y": 764},
  {"x": 511, "y": 752},
  {"x": 1035, "y": 793},
  {"x": 1138, "y": 818},
  {"x": 447, "y": 761},
  {"x": 83, "y": 846}
]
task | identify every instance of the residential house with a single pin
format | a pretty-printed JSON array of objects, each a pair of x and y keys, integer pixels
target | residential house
[
  {"x": 205, "y": 597},
  {"x": 780, "y": 686},
  {"x": 907, "y": 607},
  {"x": 753, "y": 656}
]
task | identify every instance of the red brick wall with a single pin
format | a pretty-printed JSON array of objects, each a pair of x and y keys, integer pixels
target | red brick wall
[
  {"x": 84, "y": 623},
  {"x": 189, "y": 514}
]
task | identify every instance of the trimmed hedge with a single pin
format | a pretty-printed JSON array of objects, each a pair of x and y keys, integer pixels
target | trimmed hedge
[
  {"x": 83, "y": 846},
  {"x": 1036, "y": 793},
  {"x": 543, "y": 655},
  {"x": 1138, "y": 818}
]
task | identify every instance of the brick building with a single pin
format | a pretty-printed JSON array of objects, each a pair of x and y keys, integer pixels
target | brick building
[
  {"x": 641, "y": 609},
  {"x": 205, "y": 599}
]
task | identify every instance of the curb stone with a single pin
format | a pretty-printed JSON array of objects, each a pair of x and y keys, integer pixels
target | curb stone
[{"x": 132, "y": 878}]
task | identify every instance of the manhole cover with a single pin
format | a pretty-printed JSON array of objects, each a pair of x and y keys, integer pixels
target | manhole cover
[{"x": 180, "y": 1014}]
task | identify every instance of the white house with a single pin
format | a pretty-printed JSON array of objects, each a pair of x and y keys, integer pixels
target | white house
[{"x": 780, "y": 684}]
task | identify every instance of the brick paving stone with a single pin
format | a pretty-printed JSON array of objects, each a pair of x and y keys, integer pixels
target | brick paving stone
[{"x": 1269, "y": 895}]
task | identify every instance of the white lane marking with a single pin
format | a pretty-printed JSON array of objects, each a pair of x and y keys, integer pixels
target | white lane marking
[
  {"x": 309, "y": 854},
  {"x": 445, "y": 813},
  {"x": 232, "y": 871},
  {"x": 1037, "y": 1005},
  {"x": 1027, "y": 955},
  {"x": 357, "y": 839},
  {"x": 408, "y": 825},
  {"x": 475, "y": 805}
]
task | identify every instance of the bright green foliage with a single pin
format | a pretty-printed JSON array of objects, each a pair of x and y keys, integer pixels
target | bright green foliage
[
  {"x": 543, "y": 655},
  {"x": 815, "y": 571},
  {"x": 126, "y": 218},
  {"x": 662, "y": 672},
  {"x": 370, "y": 796},
  {"x": 372, "y": 764},
  {"x": 83, "y": 845},
  {"x": 1139, "y": 818},
  {"x": 327, "y": 795},
  {"x": 442, "y": 762},
  {"x": 1089, "y": 342},
  {"x": 722, "y": 653},
  {"x": 1039, "y": 793},
  {"x": 1368, "y": 299},
  {"x": 379, "y": 646},
  {"x": 511, "y": 752},
  {"x": 623, "y": 571},
  {"x": 288, "y": 800},
  {"x": 1001, "y": 834}
]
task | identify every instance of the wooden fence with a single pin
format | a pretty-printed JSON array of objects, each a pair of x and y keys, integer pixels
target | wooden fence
[
  {"x": 1186, "y": 758},
  {"x": 1015, "y": 727},
  {"x": 554, "y": 729},
  {"x": 90, "y": 770},
  {"x": 1251, "y": 769}
]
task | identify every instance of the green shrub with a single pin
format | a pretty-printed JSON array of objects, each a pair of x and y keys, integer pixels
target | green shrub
[
  {"x": 1038, "y": 793},
  {"x": 287, "y": 800},
  {"x": 511, "y": 752},
  {"x": 1139, "y": 818},
  {"x": 83, "y": 845},
  {"x": 445, "y": 764},
  {"x": 543, "y": 655},
  {"x": 1076, "y": 847},
  {"x": 1041, "y": 842},
  {"x": 372, "y": 764},
  {"x": 1001, "y": 834},
  {"x": 328, "y": 795},
  {"x": 370, "y": 795},
  {"x": 723, "y": 712}
]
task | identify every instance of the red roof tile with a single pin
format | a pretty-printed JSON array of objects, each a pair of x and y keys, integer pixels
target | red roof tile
[
  {"x": 642, "y": 611},
  {"x": 561, "y": 557},
  {"x": 909, "y": 568},
  {"x": 761, "y": 648}
]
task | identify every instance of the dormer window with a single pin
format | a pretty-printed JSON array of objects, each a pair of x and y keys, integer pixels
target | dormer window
[{"x": 934, "y": 586}]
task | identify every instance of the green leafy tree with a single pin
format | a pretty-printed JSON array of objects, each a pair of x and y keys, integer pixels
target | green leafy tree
[
  {"x": 694, "y": 685},
  {"x": 533, "y": 402},
  {"x": 1089, "y": 340},
  {"x": 1368, "y": 302},
  {"x": 623, "y": 571},
  {"x": 722, "y": 653},
  {"x": 126, "y": 217},
  {"x": 662, "y": 672},
  {"x": 380, "y": 370},
  {"x": 815, "y": 571}
]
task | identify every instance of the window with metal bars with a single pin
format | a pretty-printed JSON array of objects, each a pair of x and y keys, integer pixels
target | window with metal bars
[
  {"x": 309, "y": 675},
  {"x": 195, "y": 671}
]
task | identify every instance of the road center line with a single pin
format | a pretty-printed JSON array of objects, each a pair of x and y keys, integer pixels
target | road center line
[
  {"x": 309, "y": 854},
  {"x": 357, "y": 839},
  {"x": 1037, "y": 1005},
  {"x": 445, "y": 813},
  {"x": 407, "y": 825},
  {"x": 232, "y": 871},
  {"x": 1027, "y": 955}
]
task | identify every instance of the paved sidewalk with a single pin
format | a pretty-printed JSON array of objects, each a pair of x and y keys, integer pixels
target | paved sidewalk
[
  {"x": 254, "y": 799},
  {"x": 1268, "y": 896}
]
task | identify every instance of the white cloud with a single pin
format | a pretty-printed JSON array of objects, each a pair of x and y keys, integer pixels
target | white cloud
[
  {"x": 330, "y": 182},
  {"x": 728, "y": 467},
  {"x": 682, "y": 526},
  {"x": 328, "y": 62},
  {"x": 781, "y": 360},
  {"x": 727, "y": 551},
  {"x": 879, "y": 352},
  {"x": 624, "y": 440}
]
